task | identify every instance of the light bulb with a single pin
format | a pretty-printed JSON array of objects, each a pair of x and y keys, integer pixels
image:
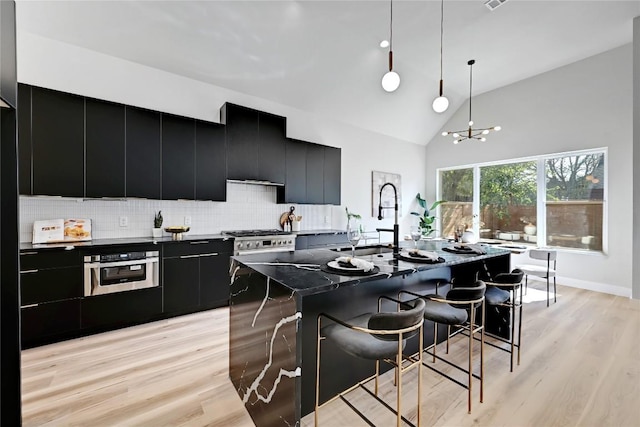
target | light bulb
[
  {"x": 470, "y": 122},
  {"x": 440, "y": 104},
  {"x": 497, "y": 128},
  {"x": 390, "y": 81},
  {"x": 483, "y": 139},
  {"x": 455, "y": 141},
  {"x": 445, "y": 133},
  {"x": 485, "y": 132},
  {"x": 384, "y": 44},
  {"x": 456, "y": 135}
]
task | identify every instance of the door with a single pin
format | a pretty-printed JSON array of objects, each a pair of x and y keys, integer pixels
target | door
[
  {"x": 178, "y": 158},
  {"x": 211, "y": 162},
  {"x": 181, "y": 283},
  {"x": 143, "y": 153},
  {"x": 214, "y": 280}
]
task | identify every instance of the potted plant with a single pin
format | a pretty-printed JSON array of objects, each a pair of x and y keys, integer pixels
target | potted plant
[
  {"x": 157, "y": 224},
  {"x": 426, "y": 219}
]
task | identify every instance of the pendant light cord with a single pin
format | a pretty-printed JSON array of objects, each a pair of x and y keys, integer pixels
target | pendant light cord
[
  {"x": 470, "y": 84},
  {"x": 441, "y": 37},
  {"x": 391, "y": 38}
]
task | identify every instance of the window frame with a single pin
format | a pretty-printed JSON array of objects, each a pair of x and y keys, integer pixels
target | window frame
[{"x": 541, "y": 196}]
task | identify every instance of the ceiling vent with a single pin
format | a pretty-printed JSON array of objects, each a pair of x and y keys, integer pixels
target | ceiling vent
[{"x": 493, "y": 4}]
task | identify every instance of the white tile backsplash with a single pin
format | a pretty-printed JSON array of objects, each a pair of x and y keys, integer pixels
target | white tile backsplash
[{"x": 248, "y": 206}]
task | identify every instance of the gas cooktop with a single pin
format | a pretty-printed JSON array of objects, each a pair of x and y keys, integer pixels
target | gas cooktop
[{"x": 255, "y": 233}]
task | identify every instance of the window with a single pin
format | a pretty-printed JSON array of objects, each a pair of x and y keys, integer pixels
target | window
[
  {"x": 555, "y": 200},
  {"x": 575, "y": 201},
  {"x": 457, "y": 191},
  {"x": 508, "y": 201}
]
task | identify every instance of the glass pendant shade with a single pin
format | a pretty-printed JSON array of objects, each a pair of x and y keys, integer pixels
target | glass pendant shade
[
  {"x": 390, "y": 81},
  {"x": 440, "y": 104}
]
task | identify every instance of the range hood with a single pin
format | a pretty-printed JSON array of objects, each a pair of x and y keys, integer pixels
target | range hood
[{"x": 255, "y": 182}]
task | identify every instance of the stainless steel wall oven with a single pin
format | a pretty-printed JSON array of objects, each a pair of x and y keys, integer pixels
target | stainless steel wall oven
[{"x": 119, "y": 272}]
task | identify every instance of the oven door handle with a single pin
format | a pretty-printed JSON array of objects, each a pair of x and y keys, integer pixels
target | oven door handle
[{"x": 121, "y": 263}]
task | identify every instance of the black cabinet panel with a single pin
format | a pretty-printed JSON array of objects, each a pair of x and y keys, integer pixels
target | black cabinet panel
[
  {"x": 302, "y": 242},
  {"x": 105, "y": 149},
  {"x": 214, "y": 280},
  {"x": 24, "y": 139},
  {"x": 295, "y": 186},
  {"x": 271, "y": 148},
  {"x": 315, "y": 174},
  {"x": 178, "y": 158},
  {"x": 55, "y": 258},
  {"x": 321, "y": 240},
  {"x": 180, "y": 282},
  {"x": 37, "y": 286},
  {"x": 143, "y": 153},
  {"x": 242, "y": 141},
  {"x": 122, "y": 308},
  {"x": 332, "y": 174},
  {"x": 196, "y": 247},
  {"x": 57, "y": 134},
  {"x": 211, "y": 162},
  {"x": 49, "y": 319}
]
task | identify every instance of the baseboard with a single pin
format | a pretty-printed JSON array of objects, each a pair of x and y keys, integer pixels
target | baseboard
[{"x": 590, "y": 286}]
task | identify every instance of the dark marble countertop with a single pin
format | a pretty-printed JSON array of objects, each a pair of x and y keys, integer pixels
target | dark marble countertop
[
  {"x": 305, "y": 272},
  {"x": 27, "y": 246}
]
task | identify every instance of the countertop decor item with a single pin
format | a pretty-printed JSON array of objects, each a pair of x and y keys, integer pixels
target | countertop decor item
[
  {"x": 157, "y": 225},
  {"x": 470, "y": 133},
  {"x": 176, "y": 231},
  {"x": 426, "y": 218}
]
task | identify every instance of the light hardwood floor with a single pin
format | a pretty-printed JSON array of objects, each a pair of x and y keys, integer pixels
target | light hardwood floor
[{"x": 580, "y": 367}]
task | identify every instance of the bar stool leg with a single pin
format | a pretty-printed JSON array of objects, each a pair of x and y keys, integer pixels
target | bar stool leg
[
  {"x": 318, "y": 339},
  {"x": 513, "y": 293},
  {"x": 470, "y": 384},
  {"x": 377, "y": 375},
  {"x": 448, "y": 335},
  {"x": 399, "y": 386},
  {"x": 520, "y": 326},
  {"x": 482, "y": 354},
  {"x": 435, "y": 340},
  {"x": 555, "y": 291},
  {"x": 420, "y": 346}
]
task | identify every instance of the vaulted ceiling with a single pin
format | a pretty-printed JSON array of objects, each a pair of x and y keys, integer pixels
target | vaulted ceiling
[{"x": 324, "y": 56}]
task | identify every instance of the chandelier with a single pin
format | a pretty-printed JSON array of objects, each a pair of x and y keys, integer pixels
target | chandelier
[{"x": 470, "y": 133}]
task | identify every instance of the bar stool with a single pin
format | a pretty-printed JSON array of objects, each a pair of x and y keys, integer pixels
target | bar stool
[
  {"x": 375, "y": 336},
  {"x": 458, "y": 308},
  {"x": 543, "y": 271},
  {"x": 502, "y": 291}
]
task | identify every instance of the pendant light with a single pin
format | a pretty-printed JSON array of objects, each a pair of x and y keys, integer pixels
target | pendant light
[
  {"x": 441, "y": 103},
  {"x": 470, "y": 133},
  {"x": 391, "y": 79}
]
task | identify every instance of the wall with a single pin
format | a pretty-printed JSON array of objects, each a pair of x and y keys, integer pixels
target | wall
[
  {"x": 586, "y": 104},
  {"x": 636, "y": 156},
  {"x": 60, "y": 66}
]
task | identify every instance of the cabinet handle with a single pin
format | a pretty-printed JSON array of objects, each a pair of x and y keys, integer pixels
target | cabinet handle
[
  {"x": 199, "y": 242},
  {"x": 29, "y": 305},
  {"x": 189, "y": 256},
  {"x": 211, "y": 254},
  {"x": 28, "y": 271},
  {"x": 29, "y": 253}
]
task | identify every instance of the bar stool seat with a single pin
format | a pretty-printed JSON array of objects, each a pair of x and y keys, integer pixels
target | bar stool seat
[
  {"x": 375, "y": 336},
  {"x": 444, "y": 313},
  {"x": 502, "y": 291}
]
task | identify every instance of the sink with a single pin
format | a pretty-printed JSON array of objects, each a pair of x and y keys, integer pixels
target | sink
[{"x": 365, "y": 250}]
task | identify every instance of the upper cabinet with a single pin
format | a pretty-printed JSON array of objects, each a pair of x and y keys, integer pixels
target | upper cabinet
[
  {"x": 178, "y": 157},
  {"x": 105, "y": 149},
  {"x": 255, "y": 144},
  {"x": 143, "y": 153},
  {"x": 57, "y": 140},
  {"x": 211, "y": 162},
  {"x": 74, "y": 146}
]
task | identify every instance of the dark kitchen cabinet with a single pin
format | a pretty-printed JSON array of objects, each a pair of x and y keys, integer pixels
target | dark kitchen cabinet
[
  {"x": 181, "y": 283},
  {"x": 57, "y": 137},
  {"x": 315, "y": 174},
  {"x": 242, "y": 141},
  {"x": 271, "y": 147},
  {"x": 196, "y": 275},
  {"x": 211, "y": 162},
  {"x": 121, "y": 309},
  {"x": 178, "y": 157},
  {"x": 295, "y": 185},
  {"x": 143, "y": 150},
  {"x": 332, "y": 175},
  {"x": 25, "y": 149},
  {"x": 104, "y": 149},
  {"x": 51, "y": 287}
]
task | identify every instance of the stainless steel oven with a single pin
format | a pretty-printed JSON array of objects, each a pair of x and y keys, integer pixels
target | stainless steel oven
[
  {"x": 260, "y": 241},
  {"x": 119, "y": 272}
]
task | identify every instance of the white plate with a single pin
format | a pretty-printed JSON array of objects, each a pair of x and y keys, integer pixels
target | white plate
[{"x": 335, "y": 265}]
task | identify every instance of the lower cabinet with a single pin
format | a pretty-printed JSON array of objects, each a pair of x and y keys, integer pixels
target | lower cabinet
[
  {"x": 314, "y": 241},
  {"x": 43, "y": 322},
  {"x": 121, "y": 309},
  {"x": 196, "y": 275}
]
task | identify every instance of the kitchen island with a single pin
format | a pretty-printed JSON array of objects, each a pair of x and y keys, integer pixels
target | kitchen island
[{"x": 274, "y": 302}]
